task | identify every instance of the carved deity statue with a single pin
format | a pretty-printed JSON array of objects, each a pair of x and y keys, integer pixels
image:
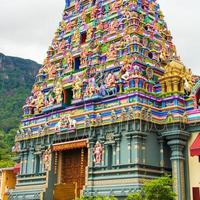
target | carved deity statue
[
  {"x": 112, "y": 53},
  {"x": 84, "y": 54},
  {"x": 91, "y": 88},
  {"x": 47, "y": 159},
  {"x": 76, "y": 37},
  {"x": 69, "y": 60},
  {"x": 40, "y": 101},
  {"x": 90, "y": 32},
  {"x": 110, "y": 80},
  {"x": 58, "y": 92},
  {"x": 77, "y": 88},
  {"x": 98, "y": 152},
  {"x": 66, "y": 122},
  {"x": 187, "y": 87},
  {"x": 99, "y": 119}
]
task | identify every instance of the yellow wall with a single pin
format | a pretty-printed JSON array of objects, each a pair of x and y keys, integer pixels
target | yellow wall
[
  {"x": 0, "y": 183},
  {"x": 8, "y": 181},
  {"x": 194, "y": 166}
]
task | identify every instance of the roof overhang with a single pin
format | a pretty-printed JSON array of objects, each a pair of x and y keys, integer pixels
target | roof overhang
[
  {"x": 195, "y": 147},
  {"x": 77, "y": 144}
]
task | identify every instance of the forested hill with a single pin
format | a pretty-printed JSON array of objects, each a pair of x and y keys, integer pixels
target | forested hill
[{"x": 17, "y": 76}]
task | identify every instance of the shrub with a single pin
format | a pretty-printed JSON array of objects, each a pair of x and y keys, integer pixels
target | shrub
[
  {"x": 97, "y": 198},
  {"x": 135, "y": 196},
  {"x": 156, "y": 189}
]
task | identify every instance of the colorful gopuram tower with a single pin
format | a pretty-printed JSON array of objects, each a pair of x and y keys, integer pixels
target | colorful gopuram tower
[{"x": 110, "y": 106}]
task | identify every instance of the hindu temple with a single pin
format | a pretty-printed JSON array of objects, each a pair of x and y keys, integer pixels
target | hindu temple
[{"x": 112, "y": 106}]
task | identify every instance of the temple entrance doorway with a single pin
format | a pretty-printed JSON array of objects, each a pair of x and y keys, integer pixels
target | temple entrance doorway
[
  {"x": 71, "y": 173},
  {"x": 73, "y": 170}
]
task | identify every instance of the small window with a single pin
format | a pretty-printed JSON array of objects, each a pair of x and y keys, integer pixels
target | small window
[
  {"x": 83, "y": 37},
  {"x": 67, "y": 96},
  {"x": 150, "y": 55},
  {"x": 77, "y": 63}
]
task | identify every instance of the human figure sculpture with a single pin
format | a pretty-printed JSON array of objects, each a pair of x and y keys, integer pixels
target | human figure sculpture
[
  {"x": 90, "y": 32},
  {"x": 113, "y": 116},
  {"x": 40, "y": 101},
  {"x": 69, "y": 60},
  {"x": 51, "y": 100},
  {"x": 187, "y": 87},
  {"x": 112, "y": 53},
  {"x": 110, "y": 80},
  {"x": 58, "y": 92},
  {"x": 76, "y": 37},
  {"x": 114, "y": 25},
  {"x": 99, "y": 119},
  {"x": 46, "y": 159},
  {"x": 102, "y": 90},
  {"x": 72, "y": 122},
  {"x": 90, "y": 90},
  {"x": 98, "y": 152},
  {"x": 77, "y": 88},
  {"x": 84, "y": 54},
  {"x": 126, "y": 76},
  {"x": 83, "y": 16},
  {"x": 60, "y": 124}
]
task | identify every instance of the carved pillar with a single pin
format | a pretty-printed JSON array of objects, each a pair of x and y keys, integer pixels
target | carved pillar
[
  {"x": 175, "y": 84},
  {"x": 31, "y": 160},
  {"x": 90, "y": 153},
  {"x": 114, "y": 153},
  {"x": 129, "y": 138},
  {"x": 161, "y": 141},
  {"x": 105, "y": 156},
  {"x": 169, "y": 86},
  {"x": 178, "y": 171},
  {"x": 21, "y": 162},
  {"x": 41, "y": 162},
  {"x": 144, "y": 150},
  {"x": 25, "y": 163},
  {"x": 139, "y": 148},
  {"x": 163, "y": 86},
  {"x": 117, "y": 140}
]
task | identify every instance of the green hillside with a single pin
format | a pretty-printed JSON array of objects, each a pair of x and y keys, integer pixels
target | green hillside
[{"x": 17, "y": 76}]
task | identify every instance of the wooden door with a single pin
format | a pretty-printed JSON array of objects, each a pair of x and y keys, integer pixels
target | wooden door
[{"x": 74, "y": 163}]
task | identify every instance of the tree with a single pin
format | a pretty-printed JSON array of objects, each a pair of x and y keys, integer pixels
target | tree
[
  {"x": 5, "y": 149},
  {"x": 156, "y": 189}
]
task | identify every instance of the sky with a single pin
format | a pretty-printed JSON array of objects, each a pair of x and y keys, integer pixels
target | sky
[{"x": 28, "y": 26}]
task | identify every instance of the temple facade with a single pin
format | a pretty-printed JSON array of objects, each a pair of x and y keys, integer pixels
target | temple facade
[{"x": 112, "y": 106}]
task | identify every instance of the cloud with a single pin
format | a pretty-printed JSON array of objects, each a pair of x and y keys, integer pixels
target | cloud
[
  {"x": 27, "y": 27},
  {"x": 183, "y": 17}
]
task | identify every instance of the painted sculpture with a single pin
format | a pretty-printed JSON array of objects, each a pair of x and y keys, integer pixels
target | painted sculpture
[{"x": 98, "y": 152}]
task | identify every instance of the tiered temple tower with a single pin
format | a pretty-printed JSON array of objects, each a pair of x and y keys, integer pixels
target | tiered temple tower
[{"x": 109, "y": 108}]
